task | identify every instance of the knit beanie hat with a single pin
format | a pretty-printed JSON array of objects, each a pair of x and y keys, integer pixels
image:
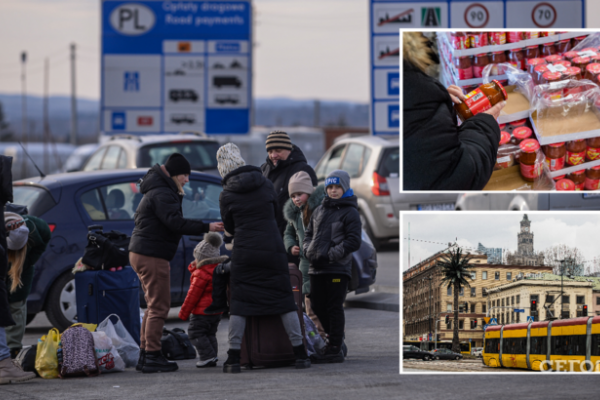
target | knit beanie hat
[
  {"x": 209, "y": 247},
  {"x": 17, "y": 238},
  {"x": 229, "y": 159},
  {"x": 177, "y": 164},
  {"x": 338, "y": 177},
  {"x": 300, "y": 182},
  {"x": 278, "y": 140}
]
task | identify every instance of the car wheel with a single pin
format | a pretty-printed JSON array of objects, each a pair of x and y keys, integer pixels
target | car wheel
[
  {"x": 30, "y": 318},
  {"x": 457, "y": 358},
  {"x": 426, "y": 358},
  {"x": 437, "y": 358},
  {"x": 376, "y": 242},
  {"x": 61, "y": 306}
]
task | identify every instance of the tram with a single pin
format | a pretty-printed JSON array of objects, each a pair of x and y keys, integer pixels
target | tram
[{"x": 560, "y": 345}]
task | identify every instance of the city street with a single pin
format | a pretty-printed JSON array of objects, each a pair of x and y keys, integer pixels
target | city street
[{"x": 453, "y": 366}]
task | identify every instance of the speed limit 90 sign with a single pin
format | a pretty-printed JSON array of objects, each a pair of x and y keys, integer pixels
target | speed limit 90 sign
[{"x": 477, "y": 16}]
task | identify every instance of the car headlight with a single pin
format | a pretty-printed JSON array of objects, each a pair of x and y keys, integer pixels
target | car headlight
[{"x": 365, "y": 237}]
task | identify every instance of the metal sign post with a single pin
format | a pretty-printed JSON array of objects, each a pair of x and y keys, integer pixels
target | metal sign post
[{"x": 175, "y": 66}]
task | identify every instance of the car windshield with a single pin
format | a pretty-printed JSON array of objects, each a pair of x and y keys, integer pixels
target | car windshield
[
  {"x": 201, "y": 155},
  {"x": 37, "y": 200}
]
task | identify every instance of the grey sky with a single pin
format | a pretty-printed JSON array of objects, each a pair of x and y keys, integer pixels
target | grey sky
[
  {"x": 497, "y": 230},
  {"x": 305, "y": 49}
]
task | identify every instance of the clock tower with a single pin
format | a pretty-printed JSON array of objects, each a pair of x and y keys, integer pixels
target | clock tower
[{"x": 525, "y": 237}]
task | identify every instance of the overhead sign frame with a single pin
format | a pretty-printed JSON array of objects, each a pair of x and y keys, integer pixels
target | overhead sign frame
[{"x": 171, "y": 66}]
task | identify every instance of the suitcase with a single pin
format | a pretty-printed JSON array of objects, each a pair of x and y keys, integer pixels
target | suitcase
[
  {"x": 101, "y": 293},
  {"x": 265, "y": 342}
]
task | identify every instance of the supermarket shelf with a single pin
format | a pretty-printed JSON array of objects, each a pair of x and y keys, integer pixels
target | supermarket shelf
[
  {"x": 447, "y": 70},
  {"x": 507, "y": 46},
  {"x": 568, "y": 170}
]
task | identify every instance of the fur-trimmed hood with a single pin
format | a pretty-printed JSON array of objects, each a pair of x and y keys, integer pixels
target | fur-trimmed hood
[
  {"x": 290, "y": 211},
  {"x": 416, "y": 51},
  {"x": 209, "y": 261}
]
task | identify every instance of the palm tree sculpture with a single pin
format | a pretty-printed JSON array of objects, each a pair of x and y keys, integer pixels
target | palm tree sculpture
[{"x": 455, "y": 272}]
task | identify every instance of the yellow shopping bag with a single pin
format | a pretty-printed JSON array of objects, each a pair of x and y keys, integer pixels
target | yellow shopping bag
[
  {"x": 46, "y": 362},
  {"x": 89, "y": 327}
]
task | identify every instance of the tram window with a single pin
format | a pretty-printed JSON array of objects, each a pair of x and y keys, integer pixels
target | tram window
[
  {"x": 596, "y": 345},
  {"x": 538, "y": 345},
  {"x": 568, "y": 345}
]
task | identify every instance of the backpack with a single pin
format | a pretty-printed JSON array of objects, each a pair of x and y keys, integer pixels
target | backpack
[
  {"x": 106, "y": 250},
  {"x": 79, "y": 356},
  {"x": 176, "y": 345}
]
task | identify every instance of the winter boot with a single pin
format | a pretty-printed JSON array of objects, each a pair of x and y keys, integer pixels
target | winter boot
[
  {"x": 211, "y": 362},
  {"x": 11, "y": 373},
  {"x": 156, "y": 362},
  {"x": 302, "y": 360},
  {"x": 232, "y": 364},
  {"x": 330, "y": 355},
  {"x": 141, "y": 360},
  {"x": 219, "y": 293}
]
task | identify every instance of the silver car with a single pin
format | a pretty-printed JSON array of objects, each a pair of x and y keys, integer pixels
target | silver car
[
  {"x": 131, "y": 151},
  {"x": 373, "y": 163}
]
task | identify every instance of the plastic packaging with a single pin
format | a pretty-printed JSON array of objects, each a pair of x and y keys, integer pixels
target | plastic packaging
[
  {"x": 107, "y": 355},
  {"x": 521, "y": 79},
  {"x": 314, "y": 341},
  {"x": 122, "y": 340},
  {"x": 566, "y": 98},
  {"x": 46, "y": 360}
]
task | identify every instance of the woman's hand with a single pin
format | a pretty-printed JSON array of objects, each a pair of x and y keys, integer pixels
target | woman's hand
[
  {"x": 456, "y": 94},
  {"x": 495, "y": 111},
  {"x": 216, "y": 227},
  {"x": 295, "y": 250},
  {"x": 11, "y": 226}
]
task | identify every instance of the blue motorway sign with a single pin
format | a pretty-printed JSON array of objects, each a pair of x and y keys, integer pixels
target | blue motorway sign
[{"x": 170, "y": 66}]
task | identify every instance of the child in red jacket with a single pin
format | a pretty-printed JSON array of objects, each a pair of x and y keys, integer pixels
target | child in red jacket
[{"x": 203, "y": 327}]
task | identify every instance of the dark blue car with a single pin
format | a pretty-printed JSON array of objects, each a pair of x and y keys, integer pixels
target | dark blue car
[{"x": 70, "y": 203}]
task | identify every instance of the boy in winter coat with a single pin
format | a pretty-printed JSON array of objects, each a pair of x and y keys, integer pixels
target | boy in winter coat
[
  {"x": 203, "y": 327},
  {"x": 304, "y": 199},
  {"x": 331, "y": 237}
]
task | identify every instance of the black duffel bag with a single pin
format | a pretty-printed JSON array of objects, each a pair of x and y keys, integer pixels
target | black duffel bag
[
  {"x": 176, "y": 345},
  {"x": 106, "y": 250}
]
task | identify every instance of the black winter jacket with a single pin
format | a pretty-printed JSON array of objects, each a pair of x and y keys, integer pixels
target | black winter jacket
[
  {"x": 438, "y": 154},
  {"x": 332, "y": 235},
  {"x": 159, "y": 221},
  {"x": 260, "y": 277},
  {"x": 6, "y": 195},
  {"x": 280, "y": 175}
]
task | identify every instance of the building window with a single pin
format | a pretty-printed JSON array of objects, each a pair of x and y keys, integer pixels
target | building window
[
  {"x": 483, "y": 274},
  {"x": 449, "y": 325},
  {"x": 512, "y": 300},
  {"x": 473, "y": 275},
  {"x": 484, "y": 292},
  {"x": 473, "y": 308},
  {"x": 449, "y": 292},
  {"x": 598, "y": 300},
  {"x": 518, "y": 317},
  {"x": 518, "y": 299},
  {"x": 580, "y": 299},
  {"x": 508, "y": 276},
  {"x": 483, "y": 308},
  {"x": 502, "y": 302},
  {"x": 493, "y": 303},
  {"x": 473, "y": 292},
  {"x": 564, "y": 314},
  {"x": 449, "y": 307},
  {"x": 550, "y": 299},
  {"x": 497, "y": 276},
  {"x": 462, "y": 291},
  {"x": 565, "y": 299},
  {"x": 461, "y": 324}
]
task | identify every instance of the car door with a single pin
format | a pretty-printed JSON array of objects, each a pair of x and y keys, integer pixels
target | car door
[
  {"x": 201, "y": 202},
  {"x": 112, "y": 205}
]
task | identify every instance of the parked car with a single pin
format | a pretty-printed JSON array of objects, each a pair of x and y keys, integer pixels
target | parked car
[
  {"x": 528, "y": 201},
  {"x": 446, "y": 354},
  {"x": 477, "y": 351},
  {"x": 373, "y": 163},
  {"x": 410, "y": 351},
  {"x": 71, "y": 202},
  {"x": 131, "y": 151},
  {"x": 79, "y": 157}
]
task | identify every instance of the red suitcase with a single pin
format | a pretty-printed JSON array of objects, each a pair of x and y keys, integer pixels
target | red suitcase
[{"x": 266, "y": 343}]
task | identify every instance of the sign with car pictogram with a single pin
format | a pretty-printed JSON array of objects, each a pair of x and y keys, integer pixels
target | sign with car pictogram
[{"x": 174, "y": 66}]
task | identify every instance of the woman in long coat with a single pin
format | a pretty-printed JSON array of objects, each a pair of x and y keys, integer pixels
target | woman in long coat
[{"x": 260, "y": 279}]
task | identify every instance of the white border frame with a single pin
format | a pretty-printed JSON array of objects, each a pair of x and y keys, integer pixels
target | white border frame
[{"x": 500, "y": 371}]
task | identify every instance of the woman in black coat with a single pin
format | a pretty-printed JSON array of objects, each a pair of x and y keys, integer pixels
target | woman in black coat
[
  {"x": 438, "y": 154},
  {"x": 260, "y": 279},
  {"x": 159, "y": 224}
]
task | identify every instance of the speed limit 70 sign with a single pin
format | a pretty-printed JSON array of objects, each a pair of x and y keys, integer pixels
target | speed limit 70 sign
[{"x": 520, "y": 14}]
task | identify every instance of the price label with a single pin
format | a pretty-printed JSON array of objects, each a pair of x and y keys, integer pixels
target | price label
[
  {"x": 477, "y": 16},
  {"x": 544, "y": 15}
]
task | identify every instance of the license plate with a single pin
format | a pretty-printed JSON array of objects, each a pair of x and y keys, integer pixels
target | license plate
[
  {"x": 591, "y": 195},
  {"x": 436, "y": 207}
]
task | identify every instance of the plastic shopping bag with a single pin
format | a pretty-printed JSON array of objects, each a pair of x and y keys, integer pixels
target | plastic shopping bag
[
  {"x": 46, "y": 361},
  {"x": 314, "y": 341},
  {"x": 127, "y": 347},
  {"x": 107, "y": 355}
]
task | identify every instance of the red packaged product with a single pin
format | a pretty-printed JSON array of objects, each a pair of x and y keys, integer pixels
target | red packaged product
[
  {"x": 555, "y": 156},
  {"x": 520, "y": 122},
  {"x": 578, "y": 178},
  {"x": 464, "y": 68},
  {"x": 551, "y": 59},
  {"x": 531, "y": 162},
  {"x": 534, "y": 62},
  {"x": 581, "y": 62},
  {"x": 563, "y": 46},
  {"x": 496, "y": 38},
  {"x": 564, "y": 63},
  {"x": 516, "y": 58},
  {"x": 548, "y": 77},
  {"x": 514, "y": 37},
  {"x": 522, "y": 133},
  {"x": 531, "y": 35},
  {"x": 573, "y": 73},
  {"x": 538, "y": 72},
  {"x": 532, "y": 52},
  {"x": 479, "y": 62},
  {"x": 565, "y": 185},
  {"x": 576, "y": 150},
  {"x": 548, "y": 49},
  {"x": 592, "y": 71},
  {"x": 460, "y": 40},
  {"x": 593, "y": 148},
  {"x": 478, "y": 39},
  {"x": 592, "y": 178}
]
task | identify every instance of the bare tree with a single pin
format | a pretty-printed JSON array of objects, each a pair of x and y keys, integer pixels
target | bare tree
[{"x": 553, "y": 255}]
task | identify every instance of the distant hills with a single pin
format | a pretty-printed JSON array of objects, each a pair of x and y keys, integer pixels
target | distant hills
[{"x": 268, "y": 112}]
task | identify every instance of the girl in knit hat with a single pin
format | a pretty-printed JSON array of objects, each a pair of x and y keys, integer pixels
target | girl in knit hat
[
  {"x": 297, "y": 212},
  {"x": 203, "y": 326}
]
